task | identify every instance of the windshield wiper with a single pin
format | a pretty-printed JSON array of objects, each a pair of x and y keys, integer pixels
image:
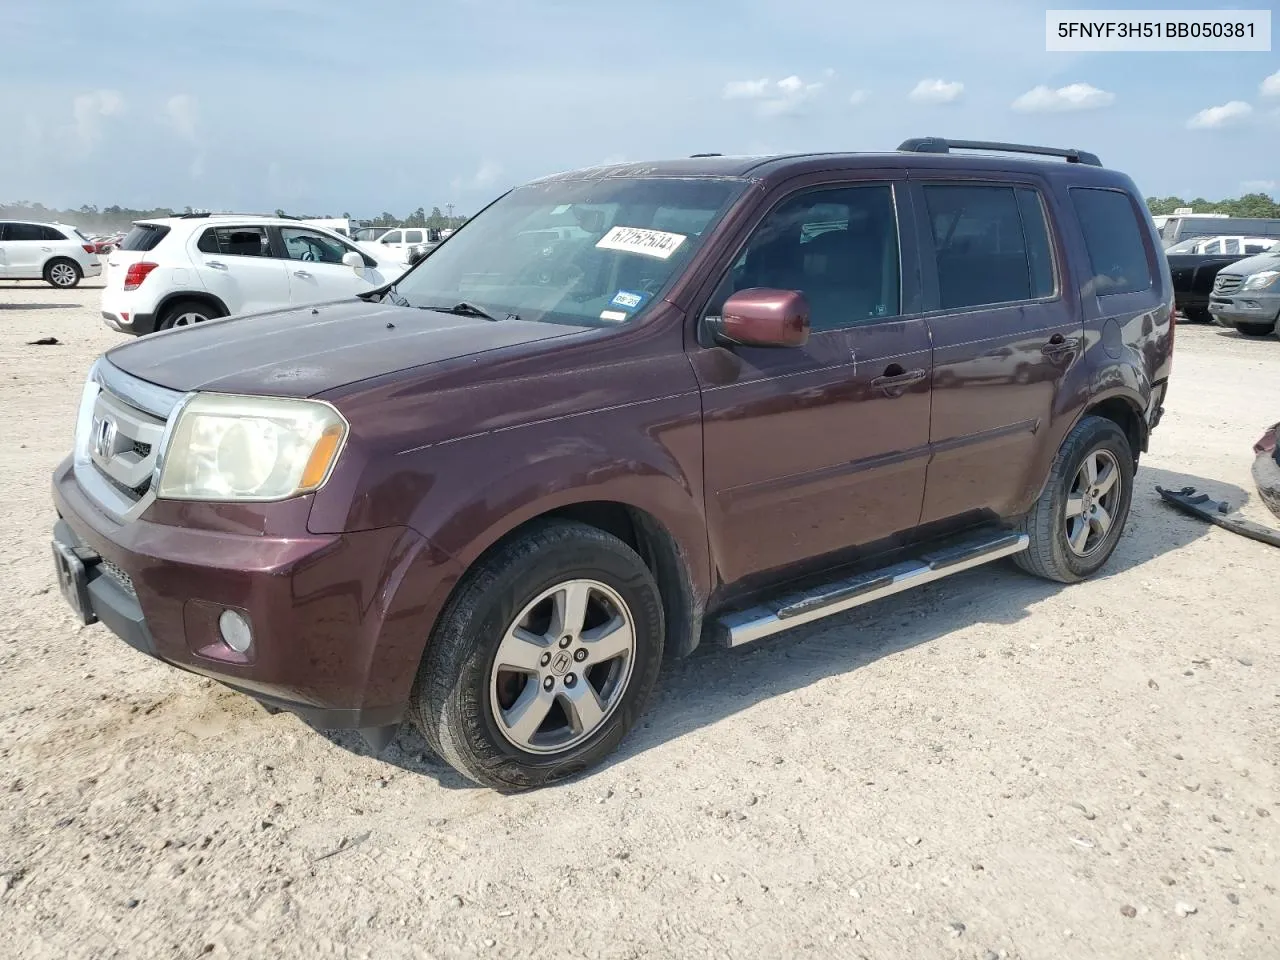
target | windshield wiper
[{"x": 463, "y": 309}]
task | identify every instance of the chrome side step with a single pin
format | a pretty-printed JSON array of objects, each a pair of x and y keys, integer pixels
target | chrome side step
[{"x": 744, "y": 626}]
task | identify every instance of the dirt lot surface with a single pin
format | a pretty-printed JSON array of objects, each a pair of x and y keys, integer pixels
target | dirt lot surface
[{"x": 991, "y": 767}]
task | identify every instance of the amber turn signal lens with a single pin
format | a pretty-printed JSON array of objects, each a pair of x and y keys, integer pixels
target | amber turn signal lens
[{"x": 321, "y": 458}]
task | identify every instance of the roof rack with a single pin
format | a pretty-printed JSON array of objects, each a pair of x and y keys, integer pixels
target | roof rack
[
  {"x": 694, "y": 156},
  {"x": 939, "y": 145},
  {"x": 210, "y": 213}
]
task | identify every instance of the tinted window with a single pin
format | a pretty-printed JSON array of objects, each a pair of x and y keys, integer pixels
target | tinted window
[
  {"x": 235, "y": 241},
  {"x": 24, "y": 231},
  {"x": 1111, "y": 233},
  {"x": 839, "y": 247},
  {"x": 991, "y": 244},
  {"x": 53, "y": 234},
  {"x": 145, "y": 236},
  {"x": 311, "y": 246}
]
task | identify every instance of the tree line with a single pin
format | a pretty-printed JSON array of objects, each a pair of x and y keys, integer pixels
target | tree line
[
  {"x": 1250, "y": 205},
  {"x": 94, "y": 221}
]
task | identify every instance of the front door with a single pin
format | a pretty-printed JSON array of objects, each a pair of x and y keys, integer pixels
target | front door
[
  {"x": 1007, "y": 330},
  {"x": 814, "y": 449},
  {"x": 316, "y": 270}
]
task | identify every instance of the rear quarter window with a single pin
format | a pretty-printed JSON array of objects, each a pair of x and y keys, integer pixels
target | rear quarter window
[
  {"x": 144, "y": 236},
  {"x": 1113, "y": 236}
]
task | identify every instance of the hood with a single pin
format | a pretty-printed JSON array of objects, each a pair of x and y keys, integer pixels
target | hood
[
  {"x": 1255, "y": 264},
  {"x": 304, "y": 351}
]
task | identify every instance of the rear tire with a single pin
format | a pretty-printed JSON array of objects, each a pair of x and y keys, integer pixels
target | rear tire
[
  {"x": 63, "y": 273},
  {"x": 512, "y": 691},
  {"x": 1256, "y": 329},
  {"x": 1075, "y": 525},
  {"x": 185, "y": 313}
]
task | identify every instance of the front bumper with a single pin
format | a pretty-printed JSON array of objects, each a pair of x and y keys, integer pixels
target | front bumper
[
  {"x": 1260, "y": 307},
  {"x": 339, "y": 621}
]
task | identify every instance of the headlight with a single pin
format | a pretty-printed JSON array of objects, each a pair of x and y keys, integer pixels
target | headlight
[
  {"x": 1260, "y": 280},
  {"x": 224, "y": 447}
]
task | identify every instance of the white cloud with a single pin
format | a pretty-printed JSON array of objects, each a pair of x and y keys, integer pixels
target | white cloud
[
  {"x": 1226, "y": 115},
  {"x": 746, "y": 89},
  {"x": 1074, "y": 96},
  {"x": 183, "y": 114},
  {"x": 486, "y": 176},
  {"x": 857, "y": 97},
  {"x": 1259, "y": 186},
  {"x": 937, "y": 91},
  {"x": 1270, "y": 87},
  {"x": 90, "y": 109}
]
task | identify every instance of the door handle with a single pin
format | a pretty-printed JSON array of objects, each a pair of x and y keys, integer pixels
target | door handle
[
  {"x": 1059, "y": 345},
  {"x": 302, "y": 275},
  {"x": 216, "y": 264},
  {"x": 895, "y": 379}
]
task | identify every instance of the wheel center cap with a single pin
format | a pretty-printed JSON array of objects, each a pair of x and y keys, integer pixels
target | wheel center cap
[{"x": 561, "y": 663}]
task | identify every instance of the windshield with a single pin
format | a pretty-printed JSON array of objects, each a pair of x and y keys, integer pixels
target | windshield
[
  {"x": 587, "y": 253},
  {"x": 1185, "y": 246}
]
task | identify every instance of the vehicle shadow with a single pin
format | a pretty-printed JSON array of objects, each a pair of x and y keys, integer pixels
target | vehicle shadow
[
  {"x": 39, "y": 306},
  {"x": 1231, "y": 334},
  {"x": 715, "y": 683}
]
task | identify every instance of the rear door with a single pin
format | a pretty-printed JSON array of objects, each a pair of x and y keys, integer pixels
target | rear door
[
  {"x": 25, "y": 250},
  {"x": 812, "y": 450},
  {"x": 4, "y": 251},
  {"x": 1006, "y": 328},
  {"x": 316, "y": 271},
  {"x": 239, "y": 267}
]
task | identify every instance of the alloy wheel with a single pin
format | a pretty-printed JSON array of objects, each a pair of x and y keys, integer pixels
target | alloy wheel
[
  {"x": 562, "y": 667},
  {"x": 1092, "y": 502},
  {"x": 63, "y": 275}
]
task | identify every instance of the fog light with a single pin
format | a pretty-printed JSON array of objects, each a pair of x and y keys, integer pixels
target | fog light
[{"x": 235, "y": 631}]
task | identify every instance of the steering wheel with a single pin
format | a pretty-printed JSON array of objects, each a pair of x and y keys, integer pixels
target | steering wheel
[{"x": 309, "y": 255}]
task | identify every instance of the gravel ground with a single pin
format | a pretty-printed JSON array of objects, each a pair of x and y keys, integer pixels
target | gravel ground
[{"x": 990, "y": 767}]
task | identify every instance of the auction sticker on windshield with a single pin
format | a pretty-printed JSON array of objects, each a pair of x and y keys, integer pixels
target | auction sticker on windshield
[{"x": 650, "y": 243}]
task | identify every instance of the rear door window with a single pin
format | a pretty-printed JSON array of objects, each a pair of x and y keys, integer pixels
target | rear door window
[
  {"x": 235, "y": 241},
  {"x": 991, "y": 244},
  {"x": 1117, "y": 254},
  {"x": 413, "y": 236},
  {"x": 30, "y": 232}
]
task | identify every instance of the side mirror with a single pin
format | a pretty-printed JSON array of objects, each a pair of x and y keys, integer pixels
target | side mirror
[
  {"x": 762, "y": 317},
  {"x": 353, "y": 260}
]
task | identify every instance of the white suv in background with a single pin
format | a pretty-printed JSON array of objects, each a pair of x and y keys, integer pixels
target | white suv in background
[
  {"x": 56, "y": 253},
  {"x": 176, "y": 271}
]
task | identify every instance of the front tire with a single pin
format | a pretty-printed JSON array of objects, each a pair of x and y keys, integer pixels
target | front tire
[
  {"x": 63, "y": 274},
  {"x": 542, "y": 660},
  {"x": 1256, "y": 329},
  {"x": 1076, "y": 523}
]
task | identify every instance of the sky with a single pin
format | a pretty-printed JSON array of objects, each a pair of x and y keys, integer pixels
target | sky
[{"x": 329, "y": 106}]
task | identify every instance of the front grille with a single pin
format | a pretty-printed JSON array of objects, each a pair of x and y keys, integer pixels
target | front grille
[
  {"x": 122, "y": 442},
  {"x": 1227, "y": 284},
  {"x": 122, "y": 578}
]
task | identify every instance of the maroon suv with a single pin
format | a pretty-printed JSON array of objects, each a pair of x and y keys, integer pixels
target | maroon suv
[{"x": 620, "y": 409}]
